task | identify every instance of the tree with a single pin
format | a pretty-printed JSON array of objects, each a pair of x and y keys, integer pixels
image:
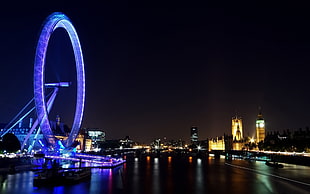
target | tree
[
  {"x": 260, "y": 145},
  {"x": 10, "y": 143}
]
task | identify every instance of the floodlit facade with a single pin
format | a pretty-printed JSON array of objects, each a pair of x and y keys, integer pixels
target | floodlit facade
[
  {"x": 217, "y": 143},
  {"x": 260, "y": 128},
  {"x": 238, "y": 145},
  {"x": 236, "y": 128}
]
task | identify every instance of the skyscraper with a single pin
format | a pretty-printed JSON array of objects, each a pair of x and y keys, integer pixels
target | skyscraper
[
  {"x": 194, "y": 134},
  {"x": 236, "y": 128},
  {"x": 58, "y": 120},
  {"x": 260, "y": 127}
]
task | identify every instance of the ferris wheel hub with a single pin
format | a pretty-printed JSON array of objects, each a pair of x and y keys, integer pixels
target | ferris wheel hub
[{"x": 58, "y": 85}]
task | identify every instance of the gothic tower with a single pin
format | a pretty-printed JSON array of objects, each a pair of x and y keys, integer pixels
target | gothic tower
[
  {"x": 236, "y": 128},
  {"x": 260, "y": 127}
]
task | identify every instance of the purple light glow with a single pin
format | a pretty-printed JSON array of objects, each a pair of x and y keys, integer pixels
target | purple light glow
[
  {"x": 102, "y": 161},
  {"x": 54, "y": 21}
]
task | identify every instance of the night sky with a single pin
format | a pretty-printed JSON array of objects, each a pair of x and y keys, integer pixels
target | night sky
[{"x": 154, "y": 69}]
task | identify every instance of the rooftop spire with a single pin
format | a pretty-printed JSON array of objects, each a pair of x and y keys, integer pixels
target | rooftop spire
[{"x": 260, "y": 115}]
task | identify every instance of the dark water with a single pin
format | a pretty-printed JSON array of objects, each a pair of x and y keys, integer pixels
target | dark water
[{"x": 148, "y": 175}]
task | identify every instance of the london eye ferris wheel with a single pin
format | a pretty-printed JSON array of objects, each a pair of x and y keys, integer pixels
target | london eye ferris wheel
[{"x": 43, "y": 106}]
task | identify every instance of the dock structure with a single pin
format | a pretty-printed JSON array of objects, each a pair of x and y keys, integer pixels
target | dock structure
[{"x": 92, "y": 160}]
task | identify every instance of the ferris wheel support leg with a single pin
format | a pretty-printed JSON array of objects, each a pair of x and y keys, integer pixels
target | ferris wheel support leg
[
  {"x": 7, "y": 130},
  {"x": 35, "y": 124},
  {"x": 51, "y": 140},
  {"x": 20, "y": 112}
]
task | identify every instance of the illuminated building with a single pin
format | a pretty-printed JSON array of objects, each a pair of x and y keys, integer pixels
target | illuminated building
[
  {"x": 223, "y": 143},
  {"x": 85, "y": 144},
  {"x": 88, "y": 139},
  {"x": 21, "y": 131},
  {"x": 236, "y": 128},
  {"x": 126, "y": 142},
  {"x": 260, "y": 128},
  {"x": 235, "y": 141},
  {"x": 238, "y": 146},
  {"x": 217, "y": 143},
  {"x": 93, "y": 137},
  {"x": 58, "y": 128},
  {"x": 194, "y": 134},
  {"x": 95, "y": 134},
  {"x": 58, "y": 120},
  {"x": 237, "y": 133}
]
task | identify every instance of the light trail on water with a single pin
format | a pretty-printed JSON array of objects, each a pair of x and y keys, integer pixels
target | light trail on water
[{"x": 267, "y": 174}]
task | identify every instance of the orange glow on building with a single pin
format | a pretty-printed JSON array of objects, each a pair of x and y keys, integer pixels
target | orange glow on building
[
  {"x": 217, "y": 143},
  {"x": 260, "y": 128},
  {"x": 236, "y": 128}
]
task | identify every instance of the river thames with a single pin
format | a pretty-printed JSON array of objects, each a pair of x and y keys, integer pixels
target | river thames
[{"x": 183, "y": 174}]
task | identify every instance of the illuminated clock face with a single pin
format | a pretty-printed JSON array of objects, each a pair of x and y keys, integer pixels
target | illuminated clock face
[{"x": 261, "y": 125}]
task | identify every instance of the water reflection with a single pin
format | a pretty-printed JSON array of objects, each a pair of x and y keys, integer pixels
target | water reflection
[
  {"x": 169, "y": 170},
  {"x": 146, "y": 179},
  {"x": 265, "y": 180},
  {"x": 190, "y": 159},
  {"x": 135, "y": 175},
  {"x": 107, "y": 180},
  {"x": 156, "y": 177},
  {"x": 170, "y": 174},
  {"x": 110, "y": 183},
  {"x": 19, "y": 182},
  {"x": 169, "y": 160},
  {"x": 199, "y": 177}
]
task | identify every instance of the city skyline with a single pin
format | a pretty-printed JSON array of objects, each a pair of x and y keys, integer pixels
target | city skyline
[{"x": 155, "y": 69}]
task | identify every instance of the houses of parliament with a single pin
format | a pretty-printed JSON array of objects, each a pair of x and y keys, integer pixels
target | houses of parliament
[{"x": 236, "y": 140}]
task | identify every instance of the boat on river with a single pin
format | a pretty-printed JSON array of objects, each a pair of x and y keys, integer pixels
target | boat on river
[
  {"x": 60, "y": 176},
  {"x": 274, "y": 164}
]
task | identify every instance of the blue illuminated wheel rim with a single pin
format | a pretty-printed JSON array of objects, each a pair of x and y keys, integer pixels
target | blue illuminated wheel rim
[{"x": 54, "y": 21}]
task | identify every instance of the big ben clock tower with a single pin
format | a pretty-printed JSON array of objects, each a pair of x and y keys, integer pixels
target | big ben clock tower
[{"x": 260, "y": 128}]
